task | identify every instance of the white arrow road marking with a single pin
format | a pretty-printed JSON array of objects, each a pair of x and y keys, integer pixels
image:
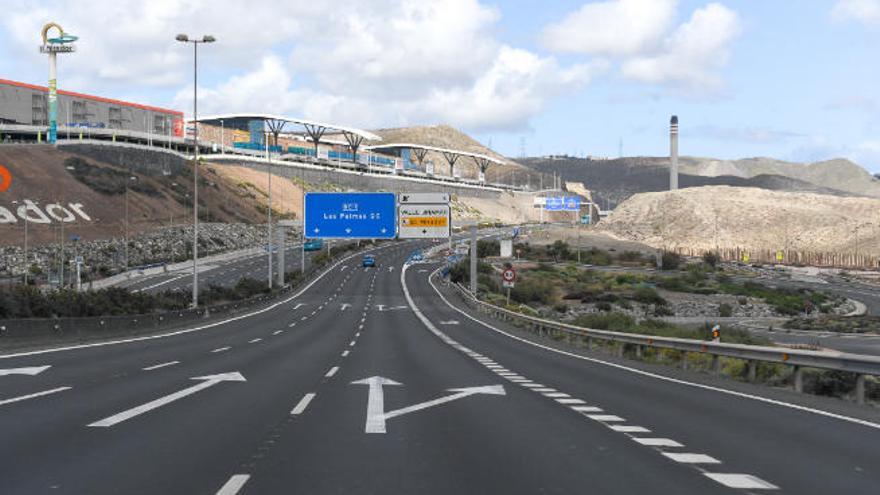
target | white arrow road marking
[
  {"x": 391, "y": 268},
  {"x": 344, "y": 306},
  {"x": 343, "y": 268},
  {"x": 449, "y": 322},
  {"x": 30, "y": 371},
  {"x": 376, "y": 415},
  {"x": 32, "y": 396},
  {"x": 208, "y": 382}
]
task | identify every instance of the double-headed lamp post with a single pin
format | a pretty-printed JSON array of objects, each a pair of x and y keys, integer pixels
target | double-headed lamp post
[{"x": 205, "y": 39}]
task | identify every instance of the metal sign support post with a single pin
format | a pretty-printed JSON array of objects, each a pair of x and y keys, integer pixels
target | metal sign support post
[{"x": 282, "y": 245}]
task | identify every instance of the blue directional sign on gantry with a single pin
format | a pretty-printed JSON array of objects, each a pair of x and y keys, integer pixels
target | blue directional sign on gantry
[{"x": 350, "y": 215}]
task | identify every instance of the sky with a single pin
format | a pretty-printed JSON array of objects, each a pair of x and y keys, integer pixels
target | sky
[{"x": 790, "y": 79}]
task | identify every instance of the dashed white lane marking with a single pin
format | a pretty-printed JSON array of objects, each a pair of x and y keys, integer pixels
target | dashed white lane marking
[
  {"x": 357, "y": 334},
  {"x": 361, "y": 326},
  {"x": 345, "y": 353},
  {"x": 351, "y": 344},
  {"x": 292, "y": 325},
  {"x": 304, "y": 318},
  {"x": 556, "y": 395},
  {"x": 162, "y": 365},
  {"x": 689, "y": 458},
  {"x": 332, "y": 372},
  {"x": 586, "y": 409},
  {"x": 254, "y": 341},
  {"x": 221, "y": 349},
  {"x": 543, "y": 390},
  {"x": 657, "y": 442},
  {"x": 276, "y": 332},
  {"x": 629, "y": 429},
  {"x": 606, "y": 418},
  {"x": 234, "y": 484},
  {"x": 742, "y": 481},
  {"x": 570, "y": 400}
]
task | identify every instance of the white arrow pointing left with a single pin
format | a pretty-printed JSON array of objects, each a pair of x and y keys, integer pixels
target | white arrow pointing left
[
  {"x": 30, "y": 371},
  {"x": 207, "y": 382}
]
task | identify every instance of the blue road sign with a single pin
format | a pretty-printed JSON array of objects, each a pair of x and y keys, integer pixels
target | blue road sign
[
  {"x": 554, "y": 204},
  {"x": 350, "y": 215},
  {"x": 558, "y": 203}
]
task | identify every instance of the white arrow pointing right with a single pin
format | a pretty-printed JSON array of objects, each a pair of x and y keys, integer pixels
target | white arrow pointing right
[
  {"x": 376, "y": 415},
  {"x": 30, "y": 371}
]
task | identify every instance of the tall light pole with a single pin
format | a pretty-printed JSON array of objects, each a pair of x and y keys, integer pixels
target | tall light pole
[
  {"x": 269, "y": 209},
  {"x": 205, "y": 39}
]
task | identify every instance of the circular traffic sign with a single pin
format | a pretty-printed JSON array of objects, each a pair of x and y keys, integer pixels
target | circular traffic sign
[
  {"x": 5, "y": 179},
  {"x": 509, "y": 275}
]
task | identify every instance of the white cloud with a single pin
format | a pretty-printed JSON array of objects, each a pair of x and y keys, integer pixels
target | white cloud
[
  {"x": 382, "y": 62},
  {"x": 865, "y": 11},
  {"x": 693, "y": 53},
  {"x": 618, "y": 27}
]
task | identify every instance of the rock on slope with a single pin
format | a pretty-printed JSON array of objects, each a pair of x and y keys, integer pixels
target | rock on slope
[{"x": 703, "y": 217}]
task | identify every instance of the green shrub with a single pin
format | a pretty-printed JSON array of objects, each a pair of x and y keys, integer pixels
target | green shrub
[
  {"x": 711, "y": 258},
  {"x": 725, "y": 310},
  {"x": 630, "y": 256},
  {"x": 648, "y": 295},
  {"x": 671, "y": 261},
  {"x": 531, "y": 289}
]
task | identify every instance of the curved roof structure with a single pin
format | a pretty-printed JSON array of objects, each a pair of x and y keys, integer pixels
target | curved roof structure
[
  {"x": 396, "y": 146},
  {"x": 369, "y": 136}
]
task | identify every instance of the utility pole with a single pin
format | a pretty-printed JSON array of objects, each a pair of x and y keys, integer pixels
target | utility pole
[{"x": 474, "y": 260}]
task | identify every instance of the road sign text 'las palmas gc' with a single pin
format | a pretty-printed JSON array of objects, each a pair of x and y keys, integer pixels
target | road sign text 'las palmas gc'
[{"x": 350, "y": 215}]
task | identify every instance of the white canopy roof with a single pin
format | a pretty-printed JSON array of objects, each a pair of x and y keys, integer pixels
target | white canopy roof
[{"x": 478, "y": 156}]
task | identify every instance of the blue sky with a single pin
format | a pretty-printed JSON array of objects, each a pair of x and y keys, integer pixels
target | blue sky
[{"x": 791, "y": 79}]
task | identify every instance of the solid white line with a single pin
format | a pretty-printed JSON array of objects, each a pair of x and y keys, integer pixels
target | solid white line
[
  {"x": 254, "y": 341},
  {"x": 742, "y": 481},
  {"x": 637, "y": 371},
  {"x": 221, "y": 349},
  {"x": 302, "y": 404},
  {"x": 157, "y": 366},
  {"x": 32, "y": 396},
  {"x": 657, "y": 442},
  {"x": 234, "y": 484},
  {"x": 332, "y": 372},
  {"x": 688, "y": 458},
  {"x": 187, "y": 330}
]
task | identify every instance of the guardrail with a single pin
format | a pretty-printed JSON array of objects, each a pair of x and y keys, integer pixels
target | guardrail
[{"x": 859, "y": 364}]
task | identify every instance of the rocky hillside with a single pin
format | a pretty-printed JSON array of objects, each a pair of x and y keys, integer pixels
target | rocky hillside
[
  {"x": 731, "y": 217},
  {"x": 88, "y": 195}
]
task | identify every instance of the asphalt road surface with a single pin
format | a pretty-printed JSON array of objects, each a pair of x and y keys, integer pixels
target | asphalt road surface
[{"x": 369, "y": 381}]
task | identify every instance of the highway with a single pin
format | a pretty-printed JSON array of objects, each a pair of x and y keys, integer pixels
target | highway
[{"x": 374, "y": 381}]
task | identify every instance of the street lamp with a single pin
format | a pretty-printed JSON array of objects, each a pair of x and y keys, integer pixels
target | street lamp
[
  {"x": 26, "y": 222},
  {"x": 205, "y": 39}
]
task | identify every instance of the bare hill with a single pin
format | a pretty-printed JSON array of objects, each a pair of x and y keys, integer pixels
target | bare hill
[
  {"x": 613, "y": 181},
  {"x": 47, "y": 176},
  {"x": 444, "y": 136},
  {"x": 730, "y": 217}
]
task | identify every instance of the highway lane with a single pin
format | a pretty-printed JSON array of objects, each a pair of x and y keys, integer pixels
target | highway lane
[
  {"x": 798, "y": 451},
  {"x": 299, "y": 425},
  {"x": 51, "y": 445}
]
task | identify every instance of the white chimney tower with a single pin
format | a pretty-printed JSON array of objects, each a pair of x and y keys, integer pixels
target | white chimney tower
[{"x": 673, "y": 153}]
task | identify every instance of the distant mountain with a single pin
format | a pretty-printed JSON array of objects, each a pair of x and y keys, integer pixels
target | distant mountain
[{"x": 613, "y": 181}]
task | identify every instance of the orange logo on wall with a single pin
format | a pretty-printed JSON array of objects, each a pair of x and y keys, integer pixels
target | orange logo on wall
[{"x": 5, "y": 179}]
